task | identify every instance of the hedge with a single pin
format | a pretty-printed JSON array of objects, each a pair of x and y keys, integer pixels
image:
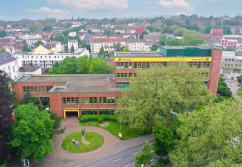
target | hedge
[{"x": 88, "y": 118}]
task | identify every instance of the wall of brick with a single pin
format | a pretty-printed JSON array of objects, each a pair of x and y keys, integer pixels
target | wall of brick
[{"x": 215, "y": 70}]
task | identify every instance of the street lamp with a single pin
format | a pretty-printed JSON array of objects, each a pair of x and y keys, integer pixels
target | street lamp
[{"x": 174, "y": 114}]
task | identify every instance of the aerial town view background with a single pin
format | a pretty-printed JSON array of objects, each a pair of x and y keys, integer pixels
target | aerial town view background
[{"x": 120, "y": 83}]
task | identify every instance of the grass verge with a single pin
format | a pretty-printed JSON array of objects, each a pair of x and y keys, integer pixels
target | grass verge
[{"x": 96, "y": 141}]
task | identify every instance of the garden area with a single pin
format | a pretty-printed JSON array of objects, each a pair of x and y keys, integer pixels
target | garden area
[
  {"x": 93, "y": 141},
  {"x": 112, "y": 124}
]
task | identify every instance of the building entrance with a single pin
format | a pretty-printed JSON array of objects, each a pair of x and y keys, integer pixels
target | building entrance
[{"x": 71, "y": 113}]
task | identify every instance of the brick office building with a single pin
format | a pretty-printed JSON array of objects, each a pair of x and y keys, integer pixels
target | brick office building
[{"x": 98, "y": 94}]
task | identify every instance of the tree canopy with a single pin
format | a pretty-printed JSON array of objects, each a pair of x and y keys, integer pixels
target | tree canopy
[
  {"x": 6, "y": 99},
  {"x": 81, "y": 65},
  {"x": 145, "y": 157},
  {"x": 25, "y": 48},
  {"x": 3, "y": 33},
  {"x": 32, "y": 131},
  {"x": 154, "y": 48},
  {"x": 155, "y": 92},
  {"x": 211, "y": 136},
  {"x": 223, "y": 88}
]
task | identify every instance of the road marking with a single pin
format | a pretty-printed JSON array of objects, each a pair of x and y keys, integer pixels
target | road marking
[
  {"x": 136, "y": 152},
  {"x": 117, "y": 160},
  {"x": 127, "y": 165}
]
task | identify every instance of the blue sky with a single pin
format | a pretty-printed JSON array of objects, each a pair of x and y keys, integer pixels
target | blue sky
[{"x": 40, "y": 9}]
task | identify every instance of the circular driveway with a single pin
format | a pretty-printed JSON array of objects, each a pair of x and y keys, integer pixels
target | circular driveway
[{"x": 72, "y": 126}]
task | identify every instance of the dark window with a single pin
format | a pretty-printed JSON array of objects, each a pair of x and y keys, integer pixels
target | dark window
[
  {"x": 95, "y": 100},
  {"x": 24, "y": 88},
  {"x": 77, "y": 100},
  {"x": 40, "y": 89},
  {"x": 109, "y": 100},
  {"x": 100, "y": 100},
  {"x": 104, "y": 100},
  {"x": 143, "y": 65},
  {"x": 35, "y": 89},
  {"x": 147, "y": 65},
  {"x": 126, "y": 65},
  {"x": 68, "y": 100},
  {"x": 135, "y": 65},
  {"x": 113, "y": 100},
  {"x": 72, "y": 100},
  {"x": 64, "y": 100},
  {"x": 90, "y": 100},
  {"x": 139, "y": 65}
]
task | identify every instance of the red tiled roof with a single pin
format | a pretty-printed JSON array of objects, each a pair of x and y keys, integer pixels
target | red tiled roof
[
  {"x": 140, "y": 30},
  {"x": 217, "y": 31},
  {"x": 101, "y": 40}
]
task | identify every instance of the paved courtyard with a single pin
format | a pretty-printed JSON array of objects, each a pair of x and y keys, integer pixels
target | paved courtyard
[
  {"x": 72, "y": 126},
  {"x": 112, "y": 144}
]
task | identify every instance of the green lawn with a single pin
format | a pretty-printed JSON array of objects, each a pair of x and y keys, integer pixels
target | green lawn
[
  {"x": 96, "y": 141},
  {"x": 114, "y": 128}
]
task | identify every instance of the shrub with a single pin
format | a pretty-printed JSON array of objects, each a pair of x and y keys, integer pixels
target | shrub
[
  {"x": 100, "y": 120},
  {"x": 88, "y": 118}
]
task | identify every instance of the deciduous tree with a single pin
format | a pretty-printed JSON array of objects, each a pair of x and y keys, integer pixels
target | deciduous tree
[
  {"x": 155, "y": 92},
  {"x": 6, "y": 97},
  {"x": 211, "y": 136},
  {"x": 31, "y": 132},
  {"x": 145, "y": 157}
]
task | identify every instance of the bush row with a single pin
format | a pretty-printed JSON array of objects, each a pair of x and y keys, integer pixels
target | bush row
[{"x": 100, "y": 118}]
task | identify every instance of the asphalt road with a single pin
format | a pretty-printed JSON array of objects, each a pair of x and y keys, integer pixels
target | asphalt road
[{"x": 123, "y": 158}]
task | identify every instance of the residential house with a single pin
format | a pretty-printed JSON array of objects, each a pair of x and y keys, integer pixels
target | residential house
[
  {"x": 108, "y": 44},
  {"x": 73, "y": 43},
  {"x": 9, "y": 64}
]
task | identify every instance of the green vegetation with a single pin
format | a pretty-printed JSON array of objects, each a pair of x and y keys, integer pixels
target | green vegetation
[
  {"x": 81, "y": 65},
  {"x": 4, "y": 165},
  {"x": 114, "y": 126},
  {"x": 223, "y": 88},
  {"x": 210, "y": 136},
  {"x": 154, "y": 48},
  {"x": 174, "y": 89},
  {"x": 125, "y": 49},
  {"x": 31, "y": 132},
  {"x": 29, "y": 98},
  {"x": 47, "y": 28},
  {"x": 3, "y": 34},
  {"x": 25, "y": 48},
  {"x": 96, "y": 141},
  {"x": 2, "y": 51},
  {"x": 142, "y": 35},
  {"x": 145, "y": 157},
  {"x": 33, "y": 26},
  {"x": 6, "y": 101}
]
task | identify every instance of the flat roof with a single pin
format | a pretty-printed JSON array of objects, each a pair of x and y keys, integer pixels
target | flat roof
[
  {"x": 172, "y": 51},
  {"x": 80, "y": 83},
  {"x": 138, "y": 54}
]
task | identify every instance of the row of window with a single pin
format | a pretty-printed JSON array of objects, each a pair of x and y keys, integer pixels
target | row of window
[
  {"x": 124, "y": 75},
  {"x": 101, "y": 112},
  {"x": 35, "y": 88},
  {"x": 123, "y": 84},
  {"x": 199, "y": 64},
  {"x": 146, "y": 65},
  {"x": 88, "y": 100}
]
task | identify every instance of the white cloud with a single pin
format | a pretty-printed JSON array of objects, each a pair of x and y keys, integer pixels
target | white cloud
[
  {"x": 176, "y": 4},
  {"x": 49, "y": 12},
  {"x": 93, "y": 5}
]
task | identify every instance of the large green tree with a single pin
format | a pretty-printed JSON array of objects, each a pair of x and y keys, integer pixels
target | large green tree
[
  {"x": 145, "y": 157},
  {"x": 211, "y": 136},
  {"x": 223, "y": 88},
  {"x": 81, "y": 65},
  {"x": 155, "y": 92},
  {"x": 33, "y": 26},
  {"x": 31, "y": 132},
  {"x": 28, "y": 98},
  {"x": 6, "y": 99}
]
